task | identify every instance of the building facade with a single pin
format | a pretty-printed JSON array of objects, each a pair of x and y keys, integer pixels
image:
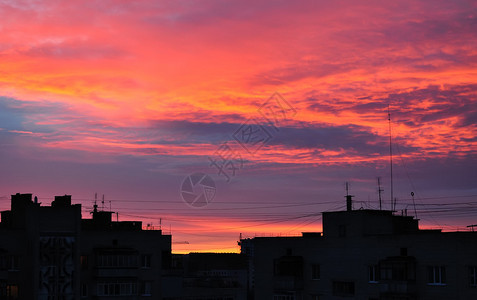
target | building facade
[
  {"x": 50, "y": 252},
  {"x": 364, "y": 254},
  {"x": 208, "y": 276}
]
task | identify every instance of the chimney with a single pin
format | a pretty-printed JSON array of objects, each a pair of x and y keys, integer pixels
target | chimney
[{"x": 349, "y": 203}]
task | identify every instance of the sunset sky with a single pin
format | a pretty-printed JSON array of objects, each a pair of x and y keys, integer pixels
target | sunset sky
[{"x": 128, "y": 98}]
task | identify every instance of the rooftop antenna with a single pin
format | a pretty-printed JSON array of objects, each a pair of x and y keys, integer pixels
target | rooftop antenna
[
  {"x": 393, "y": 201},
  {"x": 349, "y": 199},
  {"x": 414, "y": 203},
  {"x": 110, "y": 209},
  {"x": 102, "y": 204},
  {"x": 472, "y": 227},
  {"x": 95, "y": 206},
  {"x": 379, "y": 193}
]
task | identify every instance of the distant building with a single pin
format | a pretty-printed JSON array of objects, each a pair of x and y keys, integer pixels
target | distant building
[
  {"x": 207, "y": 276},
  {"x": 364, "y": 254},
  {"x": 49, "y": 252}
]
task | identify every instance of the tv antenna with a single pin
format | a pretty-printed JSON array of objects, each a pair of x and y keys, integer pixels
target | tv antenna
[
  {"x": 472, "y": 227},
  {"x": 393, "y": 201},
  {"x": 414, "y": 203},
  {"x": 379, "y": 193},
  {"x": 95, "y": 206}
]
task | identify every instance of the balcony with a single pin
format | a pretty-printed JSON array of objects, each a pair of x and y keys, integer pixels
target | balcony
[
  {"x": 287, "y": 283},
  {"x": 397, "y": 287},
  {"x": 116, "y": 272}
]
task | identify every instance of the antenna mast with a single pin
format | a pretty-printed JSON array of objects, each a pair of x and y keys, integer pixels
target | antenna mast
[
  {"x": 414, "y": 203},
  {"x": 95, "y": 206},
  {"x": 379, "y": 193},
  {"x": 393, "y": 203}
]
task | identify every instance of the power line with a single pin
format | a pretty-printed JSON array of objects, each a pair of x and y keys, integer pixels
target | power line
[{"x": 248, "y": 202}]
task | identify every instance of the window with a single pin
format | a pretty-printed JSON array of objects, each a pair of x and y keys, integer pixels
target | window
[
  {"x": 3, "y": 262},
  {"x": 315, "y": 271},
  {"x": 343, "y": 288},
  {"x": 396, "y": 270},
  {"x": 146, "y": 261},
  {"x": 473, "y": 276},
  {"x": 84, "y": 290},
  {"x": 437, "y": 275},
  {"x": 146, "y": 288},
  {"x": 9, "y": 262},
  {"x": 116, "y": 260},
  {"x": 84, "y": 262},
  {"x": 12, "y": 291},
  {"x": 117, "y": 289},
  {"x": 13, "y": 263},
  {"x": 166, "y": 260},
  {"x": 288, "y": 266},
  {"x": 284, "y": 297},
  {"x": 372, "y": 274}
]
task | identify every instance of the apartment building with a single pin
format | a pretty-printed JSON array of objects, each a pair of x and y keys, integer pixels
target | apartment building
[
  {"x": 50, "y": 252},
  {"x": 364, "y": 254}
]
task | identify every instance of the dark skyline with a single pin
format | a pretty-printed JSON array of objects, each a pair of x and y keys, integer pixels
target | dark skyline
[{"x": 128, "y": 99}]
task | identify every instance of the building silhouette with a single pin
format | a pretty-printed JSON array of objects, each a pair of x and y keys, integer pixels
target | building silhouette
[
  {"x": 211, "y": 276},
  {"x": 366, "y": 255},
  {"x": 50, "y": 252}
]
